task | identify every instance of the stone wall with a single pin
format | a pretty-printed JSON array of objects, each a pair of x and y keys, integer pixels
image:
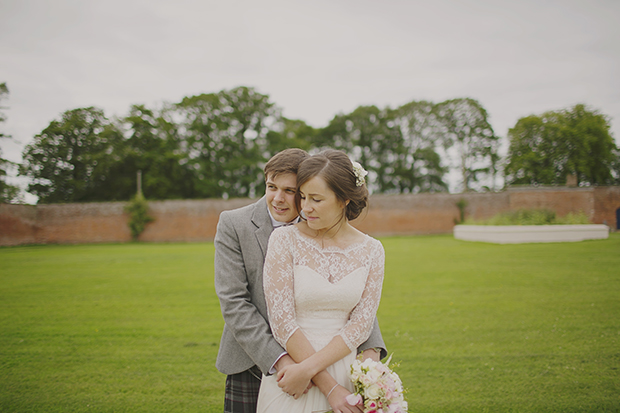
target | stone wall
[{"x": 196, "y": 220}]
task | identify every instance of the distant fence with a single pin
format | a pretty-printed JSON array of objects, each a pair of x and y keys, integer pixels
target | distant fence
[{"x": 196, "y": 220}]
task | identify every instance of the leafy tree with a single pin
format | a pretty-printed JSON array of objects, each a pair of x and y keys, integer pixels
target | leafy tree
[
  {"x": 370, "y": 136},
  {"x": 290, "y": 133},
  {"x": 69, "y": 161},
  {"x": 419, "y": 165},
  {"x": 8, "y": 192},
  {"x": 4, "y": 94},
  {"x": 153, "y": 147},
  {"x": 225, "y": 140},
  {"x": 464, "y": 127},
  {"x": 545, "y": 149}
]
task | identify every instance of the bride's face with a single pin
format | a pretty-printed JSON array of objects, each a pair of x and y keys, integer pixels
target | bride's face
[{"x": 320, "y": 205}]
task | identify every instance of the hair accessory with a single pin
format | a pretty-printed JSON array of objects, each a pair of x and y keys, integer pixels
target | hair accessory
[{"x": 360, "y": 173}]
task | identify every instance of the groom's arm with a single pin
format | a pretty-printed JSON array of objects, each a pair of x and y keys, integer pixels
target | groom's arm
[
  {"x": 248, "y": 326},
  {"x": 374, "y": 342}
]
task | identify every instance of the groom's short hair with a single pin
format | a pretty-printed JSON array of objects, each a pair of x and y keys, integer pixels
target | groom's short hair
[{"x": 285, "y": 162}]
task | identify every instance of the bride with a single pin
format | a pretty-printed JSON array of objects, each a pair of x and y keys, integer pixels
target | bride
[{"x": 322, "y": 282}]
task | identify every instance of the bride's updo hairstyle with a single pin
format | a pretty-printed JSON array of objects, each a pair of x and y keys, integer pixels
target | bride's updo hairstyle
[{"x": 336, "y": 169}]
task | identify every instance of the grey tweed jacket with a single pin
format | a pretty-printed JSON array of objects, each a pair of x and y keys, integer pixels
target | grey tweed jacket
[{"x": 240, "y": 247}]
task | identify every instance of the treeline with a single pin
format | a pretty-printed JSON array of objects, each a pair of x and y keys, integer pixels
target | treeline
[
  {"x": 8, "y": 193},
  {"x": 215, "y": 145}
]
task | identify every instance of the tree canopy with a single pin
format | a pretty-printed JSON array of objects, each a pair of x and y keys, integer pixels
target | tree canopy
[
  {"x": 463, "y": 125},
  {"x": 8, "y": 192},
  {"x": 225, "y": 137},
  {"x": 545, "y": 149},
  {"x": 216, "y": 144},
  {"x": 70, "y": 159}
]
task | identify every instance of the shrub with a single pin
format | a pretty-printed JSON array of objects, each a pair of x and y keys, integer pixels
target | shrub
[
  {"x": 138, "y": 215},
  {"x": 533, "y": 217}
]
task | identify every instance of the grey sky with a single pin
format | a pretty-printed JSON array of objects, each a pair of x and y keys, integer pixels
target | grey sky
[{"x": 314, "y": 59}]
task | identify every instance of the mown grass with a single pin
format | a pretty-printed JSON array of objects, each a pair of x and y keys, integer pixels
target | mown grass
[{"x": 476, "y": 327}]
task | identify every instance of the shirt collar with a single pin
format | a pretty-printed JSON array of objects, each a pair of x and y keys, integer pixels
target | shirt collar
[{"x": 277, "y": 224}]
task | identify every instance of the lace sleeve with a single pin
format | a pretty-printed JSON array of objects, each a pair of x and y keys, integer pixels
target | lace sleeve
[
  {"x": 358, "y": 328},
  {"x": 278, "y": 285}
]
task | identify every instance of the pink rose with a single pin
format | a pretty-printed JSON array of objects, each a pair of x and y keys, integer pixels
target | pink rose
[{"x": 354, "y": 399}]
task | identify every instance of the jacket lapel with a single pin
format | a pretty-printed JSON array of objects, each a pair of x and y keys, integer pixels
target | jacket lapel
[{"x": 262, "y": 221}]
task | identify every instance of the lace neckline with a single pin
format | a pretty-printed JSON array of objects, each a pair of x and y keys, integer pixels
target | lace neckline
[{"x": 332, "y": 248}]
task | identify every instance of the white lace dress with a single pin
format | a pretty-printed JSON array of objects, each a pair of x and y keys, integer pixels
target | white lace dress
[{"x": 324, "y": 292}]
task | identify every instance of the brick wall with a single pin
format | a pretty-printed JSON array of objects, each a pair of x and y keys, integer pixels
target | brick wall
[
  {"x": 606, "y": 203},
  {"x": 196, "y": 220},
  {"x": 18, "y": 224}
]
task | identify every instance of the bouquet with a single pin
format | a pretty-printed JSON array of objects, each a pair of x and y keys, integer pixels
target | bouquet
[{"x": 377, "y": 387}]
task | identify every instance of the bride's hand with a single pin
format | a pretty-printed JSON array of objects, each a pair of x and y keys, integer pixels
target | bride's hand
[
  {"x": 337, "y": 401},
  {"x": 294, "y": 380}
]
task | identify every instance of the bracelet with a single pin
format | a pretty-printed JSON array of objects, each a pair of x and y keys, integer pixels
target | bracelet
[{"x": 330, "y": 392}]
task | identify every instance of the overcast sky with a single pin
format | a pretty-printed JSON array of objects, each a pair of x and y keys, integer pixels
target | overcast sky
[{"x": 314, "y": 59}]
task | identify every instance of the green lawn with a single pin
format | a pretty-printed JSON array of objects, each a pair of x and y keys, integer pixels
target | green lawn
[{"x": 476, "y": 327}]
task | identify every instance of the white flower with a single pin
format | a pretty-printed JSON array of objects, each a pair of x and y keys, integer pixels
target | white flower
[
  {"x": 372, "y": 392},
  {"x": 360, "y": 173},
  {"x": 378, "y": 386},
  {"x": 368, "y": 363}
]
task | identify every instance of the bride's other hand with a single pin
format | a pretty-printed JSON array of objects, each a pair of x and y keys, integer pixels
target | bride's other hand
[
  {"x": 370, "y": 353},
  {"x": 337, "y": 401},
  {"x": 294, "y": 380}
]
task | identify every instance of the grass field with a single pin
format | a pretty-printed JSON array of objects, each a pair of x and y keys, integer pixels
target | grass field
[{"x": 476, "y": 327}]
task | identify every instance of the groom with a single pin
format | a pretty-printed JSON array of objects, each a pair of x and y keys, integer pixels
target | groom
[{"x": 247, "y": 348}]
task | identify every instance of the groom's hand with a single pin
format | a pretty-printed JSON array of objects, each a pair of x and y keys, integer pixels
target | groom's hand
[
  {"x": 294, "y": 380},
  {"x": 284, "y": 361},
  {"x": 287, "y": 360}
]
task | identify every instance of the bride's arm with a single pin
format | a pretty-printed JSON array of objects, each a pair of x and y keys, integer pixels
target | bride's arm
[
  {"x": 278, "y": 284},
  {"x": 310, "y": 363},
  {"x": 356, "y": 331},
  {"x": 361, "y": 320},
  {"x": 301, "y": 350}
]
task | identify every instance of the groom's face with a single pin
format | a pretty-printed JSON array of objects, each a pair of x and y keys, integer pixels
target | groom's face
[{"x": 280, "y": 194}]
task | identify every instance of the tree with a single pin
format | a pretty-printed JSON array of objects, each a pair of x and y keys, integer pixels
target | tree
[
  {"x": 546, "y": 149},
  {"x": 370, "y": 136},
  {"x": 153, "y": 147},
  {"x": 419, "y": 165},
  {"x": 290, "y": 133},
  {"x": 8, "y": 192},
  {"x": 4, "y": 94},
  {"x": 69, "y": 161},
  {"x": 225, "y": 140},
  {"x": 465, "y": 129}
]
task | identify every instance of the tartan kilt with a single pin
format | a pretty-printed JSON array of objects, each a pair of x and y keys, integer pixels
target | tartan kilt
[{"x": 242, "y": 391}]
